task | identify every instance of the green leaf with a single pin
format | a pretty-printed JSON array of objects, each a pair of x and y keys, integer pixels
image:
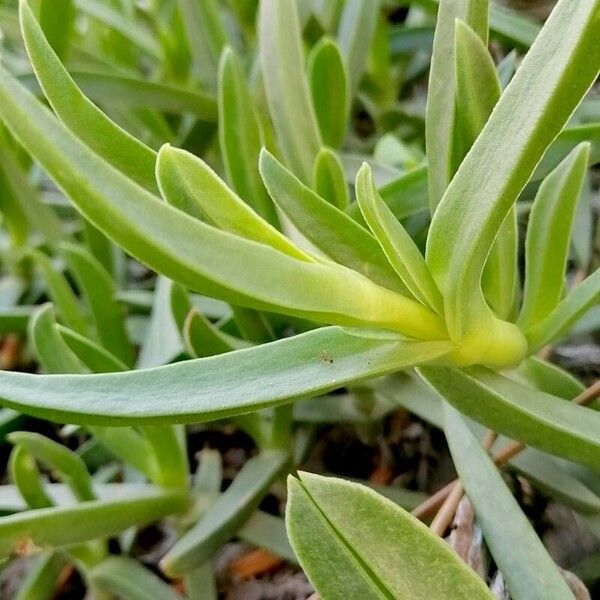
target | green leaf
[
  {"x": 440, "y": 113},
  {"x": 267, "y": 531},
  {"x": 51, "y": 350},
  {"x": 524, "y": 122},
  {"x": 579, "y": 300},
  {"x": 189, "y": 183},
  {"x": 329, "y": 90},
  {"x": 113, "y": 89},
  {"x": 26, "y": 476},
  {"x": 353, "y": 543},
  {"x": 225, "y": 517},
  {"x": 477, "y": 90},
  {"x": 355, "y": 36},
  {"x": 200, "y": 390},
  {"x": 329, "y": 180},
  {"x": 57, "y": 18},
  {"x": 527, "y": 568},
  {"x": 70, "y": 466},
  {"x": 67, "y": 304},
  {"x": 15, "y": 319},
  {"x": 324, "y": 225},
  {"x": 92, "y": 355},
  {"x": 520, "y": 412},
  {"x": 99, "y": 289},
  {"x": 128, "y": 580},
  {"x": 193, "y": 253},
  {"x": 240, "y": 137},
  {"x": 45, "y": 527},
  {"x": 43, "y": 576},
  {"x": 206, "y": 36},
  {"x": 162, "y": 343},
  {"x": 285, "y": 84},
  {"x": 548, "y": 236},
  {"x": 202, "y": 338},
  {"x": 401, "y": 251},
  {"x": 78, "y": 113},
  {"x": 550, "y": 378},
  {"x": 133, "y": 31},
  {"x": 404, "y": 195}
]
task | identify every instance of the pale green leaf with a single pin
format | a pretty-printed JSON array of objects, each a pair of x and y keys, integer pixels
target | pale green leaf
[
  {"x": 127, "y": 579},
  {"x": 324, "y": 225},
  {"x": 439, "y": 120},
  {"x": 240, "y": 137},
  {"x": 99, "y": 290},
  {"x": 329, "y": 90},
  {"x": 200, "y": 390},
  {"x": 524, "y": 122},
  {"x": 228, "y": 513},
  {"x": 329, "y": 180},
  {"x": 401, "y": 251},
  {"x": 353, "y": 543},
  {"x": 355, "y": 36},
  {"x": 45, "y": 527},
  {"x": 24, "y": 473},
  {"x": 548, "y": 236},
  {"x": 190, "y": 184},
  {"x": 79, "y": 114},
  {"x": 526, "y": 566},
  {"x": 285, "y": 84},
  {"x": 520, "y": 412}
]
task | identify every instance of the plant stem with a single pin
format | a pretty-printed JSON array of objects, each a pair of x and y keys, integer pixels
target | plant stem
[{"x": 427, "y": 509}]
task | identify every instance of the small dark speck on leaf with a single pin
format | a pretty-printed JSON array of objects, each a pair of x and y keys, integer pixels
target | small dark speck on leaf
[{"x": 326, "y": 357}]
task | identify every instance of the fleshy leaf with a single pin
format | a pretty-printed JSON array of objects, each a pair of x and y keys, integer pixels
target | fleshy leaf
[
  {"x": 354, "y": 543},
  {"x": 200, "y": 390},
  {"x": 330, "y": 91},
  {"x": 397, "y": 244},
  {"x": 527, "y": 568},
  {"x": 548, "y": 236}
]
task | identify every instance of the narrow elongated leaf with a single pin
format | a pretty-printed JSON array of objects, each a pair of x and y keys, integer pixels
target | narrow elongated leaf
[
  {"x": 57, "y": 18},
  {"x": 525, "y": 121},
  {"x": 439, "y": 120},
  {"x": 52, "y": 352},
  {"x": 268, "y": 532},
  {"x": 329, "y": 180},
  {"x": 135, "y": 32},
  {"x": 567, "y": 312},
  {"x": 527, "y": 568},
  {"x": 355, "y": 35},
  {"x": 26, "y": 476},
  {"x": 330, "y": 91},
  {"x": 128, "y": 580},
  {"x": 353, "y": 543},
  {"x": 42, "y": 578},
  {"x": 162, "y": 343},
  {"x": 325, "y": 226},
  {"x": 206, "y": 36},
  {"x": 78, "y": 113},
  {"x": 286, "y": 87},
  {"x": 240, "y": 137},
  {"x": 229, "y": 512},
  {"x": 477, "y": 89},
  {"x": 100, "y": 291},
  {"x": 122, "y": 90},
  {"x": 71, "y": 467},
  {"x": 202, "y": 338},
  {"x": 548, "y": 236},
  {"x": 397, "y": 244},
  {"x": 520, "y": 412},
  {"x": 194, "y": 253},
  {"x": 200, "y": 390},
  {"x": 67, "y": 304},
  {"x": 45, "y": 527},
  {"x": 92, "y": 355},
  {"x": 190, "y": 184}
]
